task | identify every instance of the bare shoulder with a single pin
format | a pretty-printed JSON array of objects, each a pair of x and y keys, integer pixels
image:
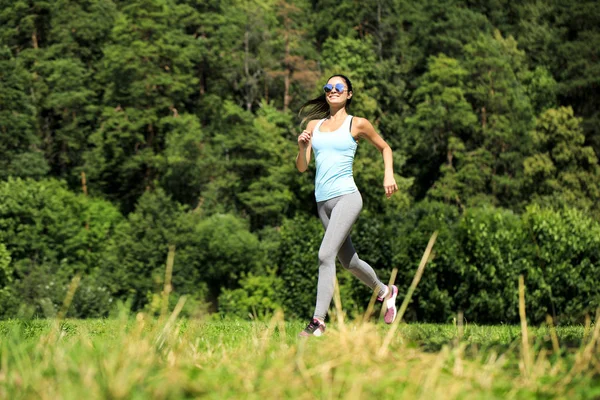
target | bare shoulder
[
  {"x": 311, "y": 124},
  {"x": 362, "y": 126}
]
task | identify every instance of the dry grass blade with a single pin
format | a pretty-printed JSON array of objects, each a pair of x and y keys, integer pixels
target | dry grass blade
[
  {"x": 409, "y": 293},
  {"x": 160, "y": 340},
  {"x": 69, "y": 297},
  {"x": 370, "y": 307},
  {"x": 525, "y": 350},
  {"x": 587, "y": 326},
  {"x": 585, "y": 357},
  {"x": 337, "y": 300},
  {"x": 168, "y": 288},
  {"x": 460, "y": 325},
  {"x": 553, "y": 336}
]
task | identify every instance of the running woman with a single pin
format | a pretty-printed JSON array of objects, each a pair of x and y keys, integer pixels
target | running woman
[{"x": 333, "y": 135}]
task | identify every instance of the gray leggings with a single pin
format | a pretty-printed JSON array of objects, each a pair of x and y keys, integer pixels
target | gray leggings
[{"x": 338, "y": 215}]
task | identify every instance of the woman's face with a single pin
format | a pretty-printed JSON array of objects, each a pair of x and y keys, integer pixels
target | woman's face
[{"x": 335, "y": 97}]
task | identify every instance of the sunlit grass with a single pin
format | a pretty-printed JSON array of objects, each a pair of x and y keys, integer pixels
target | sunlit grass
[{"x": 143, "y": 357}]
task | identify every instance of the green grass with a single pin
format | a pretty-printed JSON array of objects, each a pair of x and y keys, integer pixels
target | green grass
[{"x": 141, "y": 358}]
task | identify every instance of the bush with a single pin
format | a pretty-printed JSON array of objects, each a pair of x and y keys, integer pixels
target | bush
[
  {"x": 479, "y": 256},
  {"x": 6, "y": 273},
  {"x": 51, "y": 235},
  {"x": 434, "y": 297},
  {"x": 258, "y": 297},
  {"x": 42, "y": 222},
  {"x": 494, "y": 252},
  {"x": 134, "y": 263},
  {"x": 297, "y": 259},
  {"x": 566, "y": 257},
  {"x": 212, "y": 251}
]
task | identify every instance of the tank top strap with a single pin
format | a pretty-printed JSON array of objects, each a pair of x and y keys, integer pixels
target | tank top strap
[
  {"x": 318, "y": 126},
  {"x": 347, "y": 125}
]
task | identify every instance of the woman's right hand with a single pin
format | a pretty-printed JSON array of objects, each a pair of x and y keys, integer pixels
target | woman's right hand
[{"x": 304, "y": 139}]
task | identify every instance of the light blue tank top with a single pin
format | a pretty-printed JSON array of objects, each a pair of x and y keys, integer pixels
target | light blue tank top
[{"x": 334, "y": 155}]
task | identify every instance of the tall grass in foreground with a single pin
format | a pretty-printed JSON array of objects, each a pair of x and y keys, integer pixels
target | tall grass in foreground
[
  {"x": 142, "y": 357},
  {"x": 171, "y": 358}
]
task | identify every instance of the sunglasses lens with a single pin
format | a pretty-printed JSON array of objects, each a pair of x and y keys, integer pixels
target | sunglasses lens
[{"x": 339, "y": 87}]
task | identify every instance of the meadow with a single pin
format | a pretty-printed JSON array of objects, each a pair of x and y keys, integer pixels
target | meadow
[{"x": 144, "y": 357}]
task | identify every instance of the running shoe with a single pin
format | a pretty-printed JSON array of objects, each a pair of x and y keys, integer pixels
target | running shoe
[
  {"x": 390, "y": 303},
  {"x": 315, "y": 327}
]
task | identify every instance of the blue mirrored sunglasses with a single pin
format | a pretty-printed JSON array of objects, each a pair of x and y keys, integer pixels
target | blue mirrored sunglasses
[{"x": 339, "y": 87}]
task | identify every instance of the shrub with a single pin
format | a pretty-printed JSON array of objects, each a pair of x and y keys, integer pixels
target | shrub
[
  {"x": 258, "y": 297},
  {"x": 566, "y": 256},
  {"x": 298, "y": 264},
  {"x": 494, "y": 252},
  {"x": 51, "y": 234},
  {"x": 212, "y": 251},
  {"x": 434, "y": 297},
  {"x": 44, "y": 223}
]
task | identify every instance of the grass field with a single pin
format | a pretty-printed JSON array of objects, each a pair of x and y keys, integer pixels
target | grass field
[{"x": 138, "y": 357}]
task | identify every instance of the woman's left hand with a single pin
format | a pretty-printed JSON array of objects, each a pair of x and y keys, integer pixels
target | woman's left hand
[{"x": 390, "y": 186}]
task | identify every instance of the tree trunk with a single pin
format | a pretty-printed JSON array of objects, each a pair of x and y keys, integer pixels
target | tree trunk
[
  {"x": 247, "y": 69},
  {"x": 288, "y": 75}
]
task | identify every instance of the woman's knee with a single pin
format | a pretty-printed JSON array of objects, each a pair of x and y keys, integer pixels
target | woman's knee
[{"x": 326, "y": 257}]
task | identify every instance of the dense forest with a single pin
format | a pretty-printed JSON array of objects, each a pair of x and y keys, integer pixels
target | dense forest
[{"x": 128, "y": 127}]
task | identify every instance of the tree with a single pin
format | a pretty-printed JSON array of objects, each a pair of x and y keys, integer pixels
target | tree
[
  {"x": 20, "y": 154},
  {"x": 441, "y": 124},
  {"x": 148, "y": 75},
  {"x": 66, "y": 95},
  {"x": 497, "y": 68},
  {"x": 562, "y": 171},
  {"x": 295, "y": 67},
  {"x": 577, "y": 66}
]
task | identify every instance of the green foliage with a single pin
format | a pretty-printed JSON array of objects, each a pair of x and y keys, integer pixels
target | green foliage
[
  {"x": 147, "y": 73},
  {"x": 211, "y": 251},
  {"x": 134, "y": 263},
  {"x": 20, "y": 155},
  {"x": 52, "y": 234},
  {"x": 258, "y": 297},
  {"x": 563, "y": 171},
  {"x": 186, "y": 158},
  {"x": 495, "y": 250},
  {"x": 434, "y": 297},
  {"x": 225, "y": 250},
  {"x": 43, "y": 222},
  {"x": 269, "y": 198},
  {"x": 479, "y": 256},
  {"x": 298, "y": 264},
  {"x": 4, "y": 265},
  {"x": 443, "y": 119},
  {"x": 6, "y": 277},
  {"x": 181, "y": 113},
  {"x": 566, "y": 256}
]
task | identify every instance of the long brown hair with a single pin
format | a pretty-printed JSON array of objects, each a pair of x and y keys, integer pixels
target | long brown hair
[{"x": 318, "y": 107}]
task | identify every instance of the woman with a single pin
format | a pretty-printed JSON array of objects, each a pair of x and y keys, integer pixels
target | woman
[{"x": 332, "y": 134}]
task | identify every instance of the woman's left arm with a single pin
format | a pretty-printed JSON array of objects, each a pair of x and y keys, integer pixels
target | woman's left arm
[{"x": 365, "y": 129}]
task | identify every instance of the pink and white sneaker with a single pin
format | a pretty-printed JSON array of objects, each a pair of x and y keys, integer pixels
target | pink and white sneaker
[
  {"x": 390, "y": 303},
  {"x": 315, "y": 327}
]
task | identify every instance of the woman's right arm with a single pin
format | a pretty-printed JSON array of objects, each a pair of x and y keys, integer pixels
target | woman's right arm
[{"x": 304, "y": 146}]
